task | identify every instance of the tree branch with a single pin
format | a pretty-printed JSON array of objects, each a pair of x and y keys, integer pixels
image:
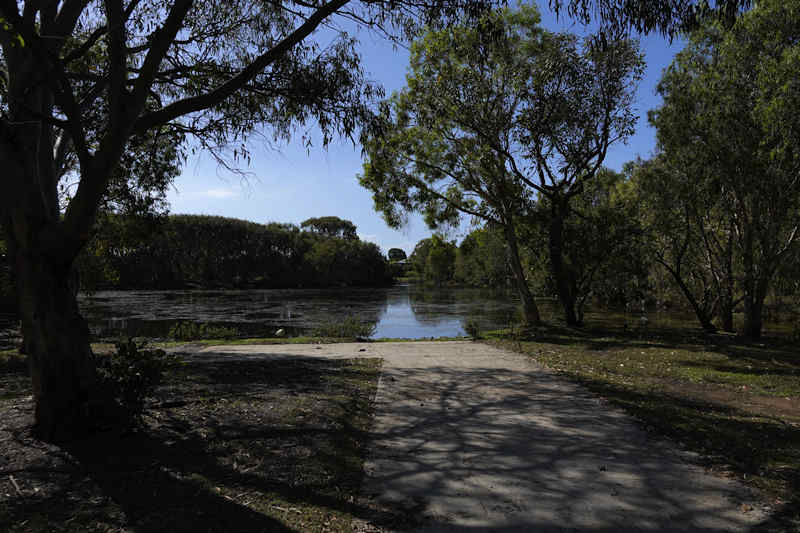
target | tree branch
[{"x": 208, "y": 100}]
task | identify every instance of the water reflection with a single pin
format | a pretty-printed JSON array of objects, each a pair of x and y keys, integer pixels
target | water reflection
[{"x": 402, "y": 311}]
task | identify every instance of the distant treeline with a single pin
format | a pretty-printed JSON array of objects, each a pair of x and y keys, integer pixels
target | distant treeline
[{"x": 194, "y": 251}]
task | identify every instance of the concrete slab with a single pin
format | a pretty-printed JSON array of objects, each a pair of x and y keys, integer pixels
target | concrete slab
[{"x": 471, "y": 438}]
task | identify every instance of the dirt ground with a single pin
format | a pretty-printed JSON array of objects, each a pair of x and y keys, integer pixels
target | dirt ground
[{"x": 225, "y": 446}]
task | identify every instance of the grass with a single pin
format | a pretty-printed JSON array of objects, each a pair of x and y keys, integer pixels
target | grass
[
  {"x": 737, "y": 403},
  {"x": 225, "y": 446},
  {"x": 346, "y": 327},
  {"x": 292, "y": 340}
]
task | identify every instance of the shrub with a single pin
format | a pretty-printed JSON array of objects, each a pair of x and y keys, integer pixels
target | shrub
[
  {"x": 187, "y": 331},
  {"x": 347, "y": 327},
  {"x": 473, "y": 329},
  {"x": 132, "y": 374}
]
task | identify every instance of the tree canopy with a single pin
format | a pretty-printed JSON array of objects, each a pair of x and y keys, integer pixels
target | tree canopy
[
  {"x": 496, "y": 115},
  {"x": 727, "y": 132},
  {"x": 331, "y": 227},
  {"x": 90, "y": 77},
  {"x": 668, "y": 17}
]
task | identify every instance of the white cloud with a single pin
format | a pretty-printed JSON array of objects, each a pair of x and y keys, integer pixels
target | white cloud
[
  {"x": 369, "y": 237},
  {"x": 218, "y": 193}
]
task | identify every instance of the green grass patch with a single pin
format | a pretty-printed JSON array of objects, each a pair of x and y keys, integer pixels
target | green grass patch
[{"x": 737, "y": 403}]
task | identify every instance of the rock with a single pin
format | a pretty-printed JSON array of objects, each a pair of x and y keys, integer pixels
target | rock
[{"x": 280, "y": 333}]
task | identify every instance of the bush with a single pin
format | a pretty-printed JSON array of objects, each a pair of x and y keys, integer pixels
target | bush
[
  {"x": 187, "y": 331},
  {"x": 473, "y": 329},
  {"x": 348, "y": 327},
  {"x": 132, "y": 374}
]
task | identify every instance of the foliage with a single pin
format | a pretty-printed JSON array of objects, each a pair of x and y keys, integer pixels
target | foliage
[
  {"x": 601, "y": 251},
  {"x": 397, "y": 254},
  {"x": 205, "y": 251},
  {"x": 331, "y": 227},
  {"x": 95, "y": 77},
  {"x": 473, "y": 328},
  {"x": 440, "y": 261},
  {"x": 674, "y": 216},
  {"x": 667, "y": 17},
  {"x": 188, "y": 330},
  {"x": 349, "y": 327},
  {"x": 132, "y": 373},
  {"x": 481, "y": 259},
  {"x": 727, "y": 130},
  {"x": 495, "y": 116},
  {"x": 433, "y": 259}
]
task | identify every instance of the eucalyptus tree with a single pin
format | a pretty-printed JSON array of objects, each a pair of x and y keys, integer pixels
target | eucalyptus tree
[
  {"x": 678, "y": 220},
  {"x": 729, "y": 118},
  {"x": 667, "y": 17},
  {"x": 601, "y": 256},
  {"x": 214, "y": 71},
  {"x": 494, "y": 116}
]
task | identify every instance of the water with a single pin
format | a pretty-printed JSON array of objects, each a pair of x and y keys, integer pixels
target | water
[{"x": 402, "y": 311}]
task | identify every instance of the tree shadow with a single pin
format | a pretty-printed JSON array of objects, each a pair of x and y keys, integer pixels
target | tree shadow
[
  {"x": 211, "y": 456},
  {"x": 487, "y": 449}
]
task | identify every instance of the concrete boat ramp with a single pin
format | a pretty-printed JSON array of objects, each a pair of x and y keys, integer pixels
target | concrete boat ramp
[{"x": 472, "y": 438}]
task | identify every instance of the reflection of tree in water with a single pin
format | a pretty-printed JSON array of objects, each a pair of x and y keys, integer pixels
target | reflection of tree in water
[
  {"x": 492, "y": 308},
  {"x": 325, "y": 306}
]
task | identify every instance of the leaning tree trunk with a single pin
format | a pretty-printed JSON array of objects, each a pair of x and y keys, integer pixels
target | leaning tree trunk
[
  {"x": 61, "y": 363},
  {"x": 558, "y": 268},
  {"x": 700, "y": 312},
  {"x": 529, "y": 308}
]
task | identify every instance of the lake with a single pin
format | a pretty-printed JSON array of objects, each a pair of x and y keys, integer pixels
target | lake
[{"x": 402, "y": 311}]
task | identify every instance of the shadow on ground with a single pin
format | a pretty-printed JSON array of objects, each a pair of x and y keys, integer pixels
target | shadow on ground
[
  {"x": 236, "y": 447},
  {"x": 488, "y": 449}
]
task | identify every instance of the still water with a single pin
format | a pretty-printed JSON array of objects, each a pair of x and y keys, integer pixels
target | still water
[{"x": 401, "y": 311}]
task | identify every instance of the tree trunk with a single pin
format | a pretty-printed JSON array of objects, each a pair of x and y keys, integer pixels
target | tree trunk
[
  {"x": 726, "y": 311},
  {"x": 529, "y": 308},
  {"x": 753, "y": 300},
  {"x": 753, "y": 321},
  {"x": 700, "y": 313},
  {"x": 558, "y": 269},
  {"x": 727, "y": 293},
  {"x": 62, "y": 366}
]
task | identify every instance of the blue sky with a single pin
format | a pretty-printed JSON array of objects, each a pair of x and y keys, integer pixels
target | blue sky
[{"x": 290, "y": 184}]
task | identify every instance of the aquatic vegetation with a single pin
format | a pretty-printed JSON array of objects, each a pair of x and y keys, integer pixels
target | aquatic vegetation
[
  {"x": 186, "y": 331},
  {"x": 347, "y": 327}
]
